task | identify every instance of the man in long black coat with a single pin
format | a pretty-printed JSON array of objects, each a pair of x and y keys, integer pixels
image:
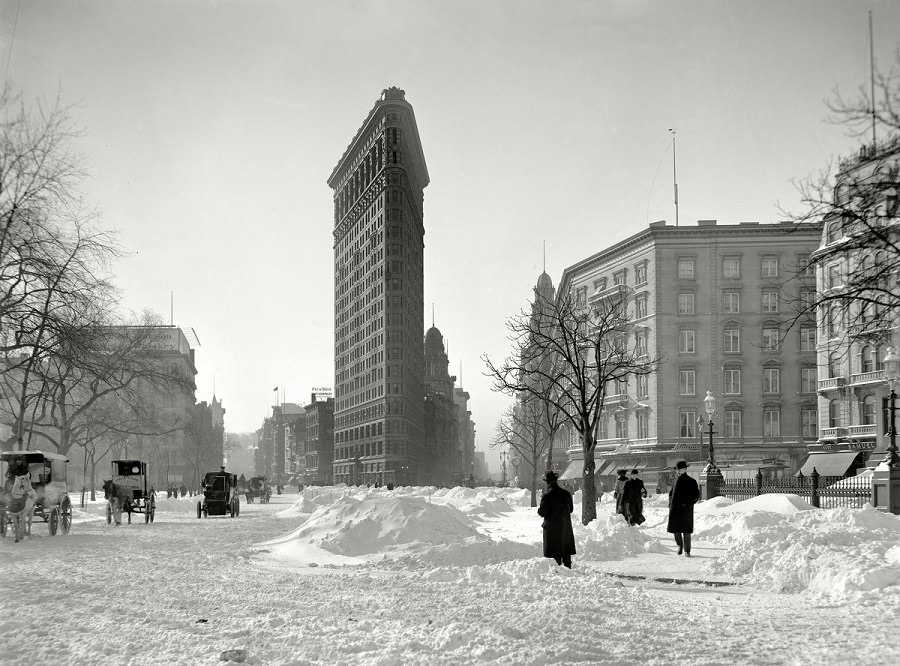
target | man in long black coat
[
  {"x": 634, "y": 495},
  {"x": 556, "y": 510},
  {"x": 682, "y": 497}
]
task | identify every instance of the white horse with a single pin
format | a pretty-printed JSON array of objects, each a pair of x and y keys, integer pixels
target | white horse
[{"x": 20, "y": 498}]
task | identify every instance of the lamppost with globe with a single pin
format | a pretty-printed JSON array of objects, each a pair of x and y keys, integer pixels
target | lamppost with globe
[
  {"x": 711, "y": 476},
  {"x": 892, "y": 374},
  {"x": 886, "y": 476}
]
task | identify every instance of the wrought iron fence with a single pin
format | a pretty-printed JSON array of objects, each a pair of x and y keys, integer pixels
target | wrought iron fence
[{"x": 826, "y": 492}]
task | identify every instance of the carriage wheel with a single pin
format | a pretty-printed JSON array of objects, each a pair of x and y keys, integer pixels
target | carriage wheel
[
  {"x": 3, "y": 522},
  {"x": 237, "y": 506},
  {"x": 54, "y": 520},
  {"x": 199, "y": 509},
  {"x": 20, "y": 526},
  {"x": 65, "y": 515},
  {"x": 129, "y": 509},
  {"x": 152, "y": 512}
]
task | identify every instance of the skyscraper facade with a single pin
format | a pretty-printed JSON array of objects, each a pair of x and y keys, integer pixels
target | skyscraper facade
[{"x": 379, "y": 393}]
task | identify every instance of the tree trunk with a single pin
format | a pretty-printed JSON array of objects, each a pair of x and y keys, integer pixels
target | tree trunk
[
  {"x": 589, "y": 489},
  {"x": 534, "y": 479},
  {"x": 93, "y": 478}
]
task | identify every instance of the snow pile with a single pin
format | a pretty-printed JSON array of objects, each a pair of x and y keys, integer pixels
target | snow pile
[
  {"x": 486, "y": 507},
  {"x": 359, "y": 527},
  {"x": 612, "y": 538},
  {"x": 301, "y": 507},
  {"x": 474, "y": 550},
  {"x": 400, "y": 531},
  {"x": 831, "y": 551}
]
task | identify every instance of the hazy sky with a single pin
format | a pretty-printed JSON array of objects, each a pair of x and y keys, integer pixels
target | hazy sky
[{"x": 210, "y": 129}]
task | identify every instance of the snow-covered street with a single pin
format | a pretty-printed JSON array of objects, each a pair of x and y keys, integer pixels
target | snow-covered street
[{"x": 425, "y": 576}]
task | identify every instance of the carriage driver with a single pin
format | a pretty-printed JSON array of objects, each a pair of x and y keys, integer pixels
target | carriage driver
[{"x": 18, "y": 467}]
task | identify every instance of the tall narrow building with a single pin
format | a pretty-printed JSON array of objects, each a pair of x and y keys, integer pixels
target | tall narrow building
[{"x": 379, "y": 313}]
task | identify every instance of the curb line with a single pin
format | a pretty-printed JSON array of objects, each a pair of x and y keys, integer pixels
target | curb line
[{"x": 676, "y": 581}]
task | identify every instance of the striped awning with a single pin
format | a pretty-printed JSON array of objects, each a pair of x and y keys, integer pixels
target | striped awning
[{"x": 573, "y": 470}]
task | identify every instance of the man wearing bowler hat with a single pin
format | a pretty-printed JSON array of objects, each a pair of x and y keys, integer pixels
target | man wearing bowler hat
[
  {"x": 556, "y": 510},
  {"x": 682, "y": 497}
]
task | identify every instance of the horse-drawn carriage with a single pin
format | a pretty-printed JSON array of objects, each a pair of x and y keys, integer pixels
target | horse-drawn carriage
[
  {"x": 47, "y": 475},
  {"x": 127, "y": 491},
  {"x": 258, "y": 488},
  {"x": 221, "y": 495}
]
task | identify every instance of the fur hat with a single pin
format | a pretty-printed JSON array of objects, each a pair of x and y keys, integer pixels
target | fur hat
[
  {"x": 550, "y": 476},
  {"x": 634, "y": 471},
  {"x": 681, "y": 465}
]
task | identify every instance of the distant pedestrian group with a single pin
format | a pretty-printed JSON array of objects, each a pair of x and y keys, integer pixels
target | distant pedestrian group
[{"x": 629, "y": 495}]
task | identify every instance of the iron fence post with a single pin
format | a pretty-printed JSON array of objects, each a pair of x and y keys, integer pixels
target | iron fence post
[
  {"x": 814, "y": 488},
  {"x": 758, "y": 482}
]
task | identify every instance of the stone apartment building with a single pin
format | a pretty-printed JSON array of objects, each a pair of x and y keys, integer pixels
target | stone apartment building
[
  {"x": 713, "y": 303},
  {"x": 318, "y": 453},
  {"x": 857, "y": 249}
]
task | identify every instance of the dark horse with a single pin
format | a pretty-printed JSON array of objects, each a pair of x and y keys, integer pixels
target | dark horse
[{"x": 117, "y": 499}]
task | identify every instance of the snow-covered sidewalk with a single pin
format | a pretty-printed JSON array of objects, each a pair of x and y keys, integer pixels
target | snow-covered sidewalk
[{"x": 426, "y": 576}]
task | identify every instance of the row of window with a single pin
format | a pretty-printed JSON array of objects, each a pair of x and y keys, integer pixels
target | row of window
[
  {"x": 690, "y": 426},
  {"x": 770, "y": 300},
  {"x": 770, "y": 340},
  {"x": 731, "y": 267},
  {"x": 771, "y": 381}
]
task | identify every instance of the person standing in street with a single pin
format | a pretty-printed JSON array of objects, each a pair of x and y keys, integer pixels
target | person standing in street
[
  {"x": 635, "y": 492},
  {"x": 685, "y": 493},
  {"x": 556, "y": 510},
  {"x": 619, "y": 492}
]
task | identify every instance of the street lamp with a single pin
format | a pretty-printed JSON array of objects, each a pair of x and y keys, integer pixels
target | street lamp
[
  {"x": 892, "y": 373},
  {"x": 709, "y": 404},
  {"x": 503, "y": 456}
]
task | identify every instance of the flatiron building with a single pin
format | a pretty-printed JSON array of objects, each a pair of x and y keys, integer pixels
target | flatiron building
[{"x": 379, "y": 395}]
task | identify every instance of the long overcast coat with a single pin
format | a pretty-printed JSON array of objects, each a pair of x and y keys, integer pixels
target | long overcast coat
[
  {"x": 556, "y": 510},
  {"x": 684, "y": 494}
]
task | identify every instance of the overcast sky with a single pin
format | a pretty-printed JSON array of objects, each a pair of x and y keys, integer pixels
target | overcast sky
[{"x": 210, "y": 129}]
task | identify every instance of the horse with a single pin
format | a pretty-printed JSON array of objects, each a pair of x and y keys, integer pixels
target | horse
[
  {"x": 117, "y": 499},
  {"x": 19, "y": 498}
]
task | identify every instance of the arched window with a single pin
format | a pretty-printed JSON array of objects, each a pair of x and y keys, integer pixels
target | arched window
[
  {"x": 834, "y": 366},
  {"x": 868, "y": 410},
  {"x": 834, "y": 414},
  {"x": 867, "y": 363}
]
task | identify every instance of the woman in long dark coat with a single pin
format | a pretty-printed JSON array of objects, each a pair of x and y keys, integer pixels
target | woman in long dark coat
[
  {"x": 556, "y": 510},
  {"x": 684, "y": 494}
]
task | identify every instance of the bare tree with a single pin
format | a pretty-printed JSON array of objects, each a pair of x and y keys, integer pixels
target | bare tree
[
  {"x": 523, "y": 429},
  {"x": 858, "y": 262},
  {"x": 567, "y": 354},
  {"x": 53, "y": 257}
]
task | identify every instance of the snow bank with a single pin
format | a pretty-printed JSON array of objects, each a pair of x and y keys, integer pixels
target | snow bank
[
  {"x": 831, "y": 551},
  {"x": 612, "y": 538},
  {"x": 774, "y": 542},
  {"x": 356, "y": 527}
]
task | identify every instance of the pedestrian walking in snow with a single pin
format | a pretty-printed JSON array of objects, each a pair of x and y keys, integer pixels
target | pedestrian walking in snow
[
  {"x": 634, "y": 493},
  {"x": 556, "y": 510},
  {"x": 619, "y": 492},
  {"x": 685, "y": 493}
]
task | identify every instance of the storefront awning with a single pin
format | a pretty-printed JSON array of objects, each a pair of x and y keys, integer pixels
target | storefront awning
[
  {"x": 606, "y": 468},
  {"x": 829, "y": 464},
  {"x": 573, "y": 470}
]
